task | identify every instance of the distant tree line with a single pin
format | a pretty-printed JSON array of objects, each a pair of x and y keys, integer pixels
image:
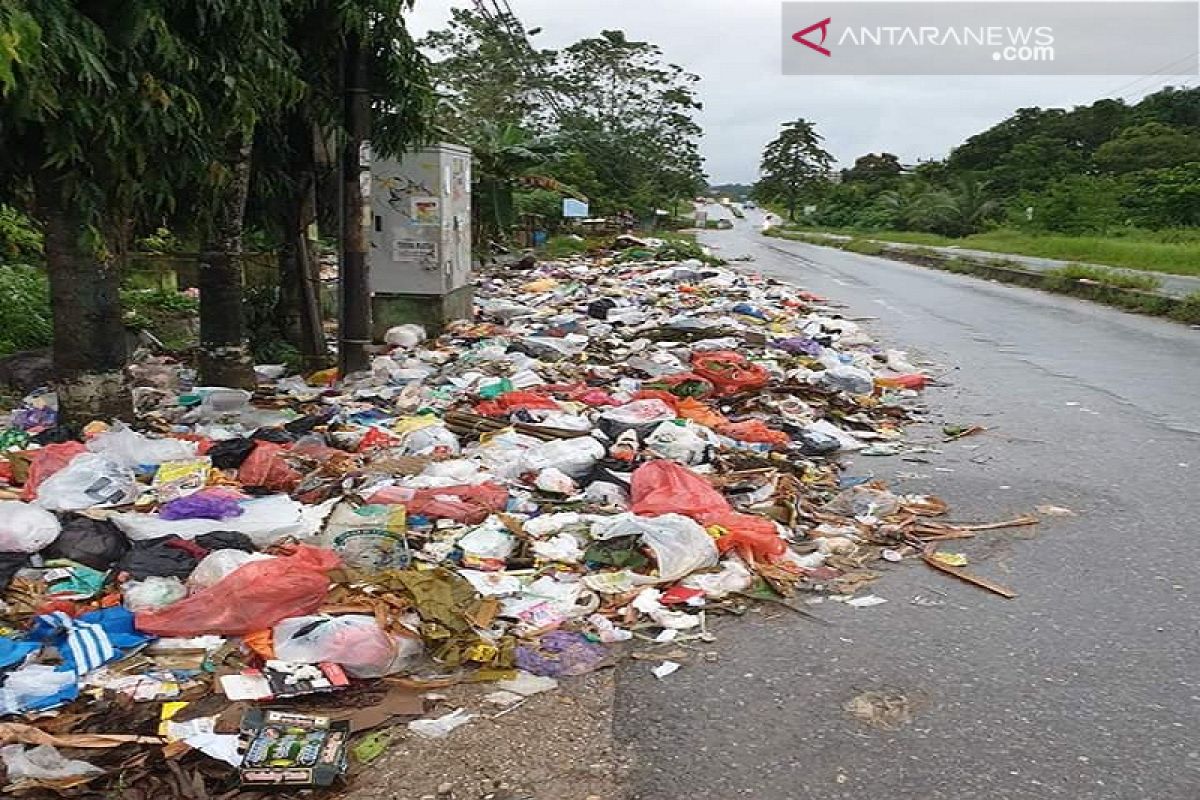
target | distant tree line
[{"x": 1088, "y": 170}]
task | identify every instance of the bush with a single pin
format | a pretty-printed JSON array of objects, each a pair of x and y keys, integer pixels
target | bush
[
  {"x": 864, "y": 247},
  {"x": 25, "y": 321},
  {"x": 563, "y": 246},
  {"x": 20, "y": 240}
]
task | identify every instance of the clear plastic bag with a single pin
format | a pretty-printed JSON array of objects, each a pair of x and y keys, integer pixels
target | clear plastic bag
[
  {"x": 152, "y": 593},
  {"x": 573, "y": 457},
  {"x": 355, "y": 641},
  {"x": 25, "y": 528},
  {"x": 128, "y": 448},
  {"x": 680, "y": 545},
  {"x": 89, "y": 480},
  {"x": 43, "y": 762}
]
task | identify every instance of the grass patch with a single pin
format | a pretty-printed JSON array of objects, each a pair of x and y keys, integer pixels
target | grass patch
[
  {"x": 563, "y": 246},
  {"x": 1122, "y": 280},
  {"x": 865, "y": 247},
  {"x": 1175, "y": 252},
  {"x": 1188, "y": 309}
]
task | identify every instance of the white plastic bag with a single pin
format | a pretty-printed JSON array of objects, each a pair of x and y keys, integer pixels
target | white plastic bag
[
  {"x": 573, "y": 457},
  {"x": 43, "y": 762},
  {"x": 218, "y": 564},
  {"x": 128, "y": 448},
  {"x": 680, "y": 443},
  {"x": 265, "y": 520},
  {"x": 424, "y": 441},
  {"x": 355, "y": 641},
  {"x": 153, "y": 593},
  {"x": 405, "y": 336},
  {"x": 25, "y": 528},
  {"x": 680, "y": 545},
  {"x": 89, "y": 480}
]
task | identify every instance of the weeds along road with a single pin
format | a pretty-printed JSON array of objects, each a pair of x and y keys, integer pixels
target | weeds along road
[{"x": 1087, "y": 685}]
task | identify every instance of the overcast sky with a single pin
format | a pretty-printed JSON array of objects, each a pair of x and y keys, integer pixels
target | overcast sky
[{"x": 734, "y": 46}]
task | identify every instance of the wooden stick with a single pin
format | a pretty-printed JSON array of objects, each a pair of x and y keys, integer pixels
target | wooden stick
[{"x": 963, "y": 575}]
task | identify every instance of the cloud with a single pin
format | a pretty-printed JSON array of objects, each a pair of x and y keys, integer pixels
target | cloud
[{"x": 734, "y": 47}]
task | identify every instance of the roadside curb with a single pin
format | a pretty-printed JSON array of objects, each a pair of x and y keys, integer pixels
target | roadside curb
[{"x": 1136, "y": 300}]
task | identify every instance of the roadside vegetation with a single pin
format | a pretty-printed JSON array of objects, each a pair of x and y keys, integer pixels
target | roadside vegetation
[{"x": 1108, "y": 183}]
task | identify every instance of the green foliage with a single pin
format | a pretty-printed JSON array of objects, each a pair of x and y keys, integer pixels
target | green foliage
[
  {"x": 1151, "y": 145},
  {"x": 617, "y": 119},
  {"x": 25, "y": 311},
  {"x": 792, "y": 163},
  {"x": 20, "y": 240},
  {"x": 874, "y": 169},
  {"x": 1108, "y": 277},
  {"x": 563, "y": 246},
  {"x": 1165, "y": 197},
  {"x": 543, "y": 203}
]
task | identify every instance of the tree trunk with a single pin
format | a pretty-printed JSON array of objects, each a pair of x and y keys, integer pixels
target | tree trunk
[
  {"x": 354, "y": 324},
  {"x": 299, "y": 308},
  {"x": 89, "y": 350},
  {"x": 224, "y": 355}
]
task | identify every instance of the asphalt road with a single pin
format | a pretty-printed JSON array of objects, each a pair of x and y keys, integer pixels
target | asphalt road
[{"x": 1085, "y": 686}]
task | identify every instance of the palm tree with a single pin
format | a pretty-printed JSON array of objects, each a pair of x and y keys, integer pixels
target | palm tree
[{"x": 503, "y": 154}]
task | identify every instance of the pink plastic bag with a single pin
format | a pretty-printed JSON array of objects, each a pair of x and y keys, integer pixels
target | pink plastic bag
[
  {"x": 664, "y": 487},
  {"x": 252, "y": 597},
  {"x": 470, "y": 504}
]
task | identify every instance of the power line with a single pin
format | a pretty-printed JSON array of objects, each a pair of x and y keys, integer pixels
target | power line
[{"x": 1162, "y": 71}]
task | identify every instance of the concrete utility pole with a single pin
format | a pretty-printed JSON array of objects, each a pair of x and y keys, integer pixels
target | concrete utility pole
[{"x": 354, "y": 328}]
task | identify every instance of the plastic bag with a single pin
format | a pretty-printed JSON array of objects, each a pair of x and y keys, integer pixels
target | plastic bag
[
  {"x": 664, "y": 487},
  {"x": 202, "y": 505},
  {"x": 128, "y": 448},
  {"x": 254, "y": 596},
  {"x": 845, "y": 378},
  {"x": 230, "y": 453},
  {"x": 43, "y": 762},
  {"x": 25, "y": 687},
  {"x": 47, "y": 461},
  {"x": 406, "y": 336},
  {"x": 470, "y": 504},
  {"x": 431, "y": 440},
  {"x": 678, "y": 443},
  {"x": 25, "y": 528},
  {"x": 751, "y": 536},
  {"x": 369, "y": 538},
  {"x": 265, "y": 520},
  {"x": 218, "y": 565},
  {"x": 642, "y": 416},
  {"x": 680, "y": 545},
  {"x": 89, "y": 480},
  {"x": 753, "y": 430},
  {"x": 96, "y": 543},
  {"x": 861, "y": 501},
  {"x": 152, "y": 593},
  {"x": 729, "y": 372},
  {"x": 266, "y": 468},
  {"x": 698, "y": 412},
  {"x": 573, "y": 457},
  {"x": 355, "y": 641},
  {"x": 560, "y": 654}
]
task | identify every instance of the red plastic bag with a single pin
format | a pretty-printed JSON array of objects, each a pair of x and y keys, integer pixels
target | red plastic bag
[
  {"x": 252, "y": 597},
  {"x": 751, "y": 536},
  {"x": 912, "y": 380},
  {"x": 664, "y": 487},
  {"x": 470, "y": 504},
  {"x": 47, "y": 461},
  {"x": 753, "y": 430},
  {"x": 509, "y": 402},
  {"x": 267, "y": 468},
  {"x": 730, "y": 372},
  {"x": 657, "y": 394}
]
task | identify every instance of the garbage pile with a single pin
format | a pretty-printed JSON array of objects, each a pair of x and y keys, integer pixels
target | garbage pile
[{"x": 231, "y": 588}]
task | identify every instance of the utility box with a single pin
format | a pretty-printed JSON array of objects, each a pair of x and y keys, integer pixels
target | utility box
[{"x": 420, "y": 257}]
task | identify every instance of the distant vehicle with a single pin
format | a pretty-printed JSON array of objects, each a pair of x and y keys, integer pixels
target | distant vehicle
[{"x": 749, "y": 204}]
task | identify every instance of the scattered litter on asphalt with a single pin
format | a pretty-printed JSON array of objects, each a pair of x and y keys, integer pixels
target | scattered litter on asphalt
[
  {"x": 236, "y": 587},
  {"x": 886, "y": 710}
]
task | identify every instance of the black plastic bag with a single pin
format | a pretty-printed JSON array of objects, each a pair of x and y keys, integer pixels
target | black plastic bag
[{"x": 95, "y": 543}]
